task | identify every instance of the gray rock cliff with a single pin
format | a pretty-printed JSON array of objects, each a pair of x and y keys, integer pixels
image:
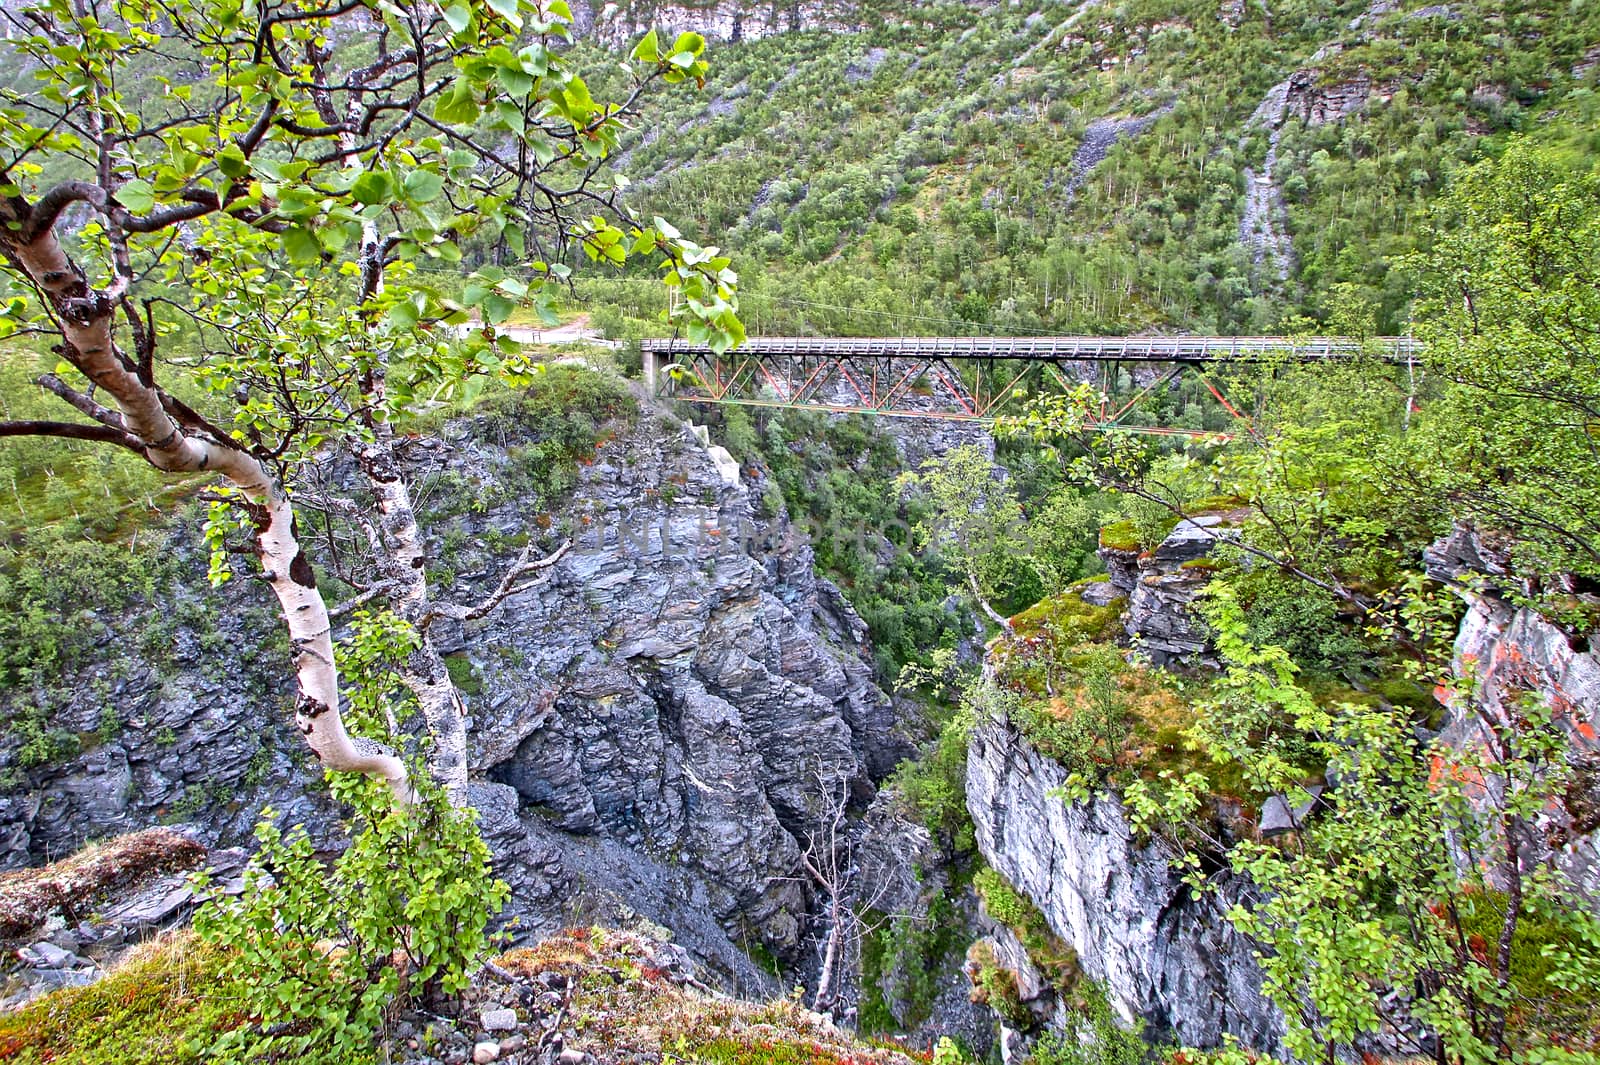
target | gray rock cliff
[
  {"x": 657, "y": 724},
  {"x": 1162, "y": 953}
]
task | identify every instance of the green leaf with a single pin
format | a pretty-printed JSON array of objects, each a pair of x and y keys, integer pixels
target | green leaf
[
  {"x": 231, "y": 161},
  {"x": 458, "y": 16},
  {"x": 690, "y": 43},
  {"x": 648, "y": 50},
  {"x": 373, "y": 187},
  {"x": 497, "y": 308},
  {"x": 301, "y": 245},
  {"x": 423, "y": 186},
  {"x": 459, "y": 106},
  {"x": 403, "y": 316},
  {"x": 508, "y": 10},
  {"x": 516, "y": 83},
  {"x": 137, "y": 195}
]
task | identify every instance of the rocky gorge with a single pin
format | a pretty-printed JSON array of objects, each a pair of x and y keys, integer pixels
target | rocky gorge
[
  {"x": 661, "y": 727},
  {"x": 656, "y": 726}
]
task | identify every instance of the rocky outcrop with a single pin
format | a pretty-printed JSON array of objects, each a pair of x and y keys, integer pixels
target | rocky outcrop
[
  {"x": 1162, "y": 953},
  {"x": 1317, "y": 102},
  {"x": 70, "y": 922},
  {"x": 1098, "y": 139},
  {"x": 161, "y": 727},
  {"x": 1505, "y": 654},
  {"x": 672, "y": 708},
  {"x": 1162, "y": 584}
]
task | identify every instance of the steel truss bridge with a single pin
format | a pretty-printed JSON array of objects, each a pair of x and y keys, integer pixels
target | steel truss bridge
[{"x": 922, "y": 377}]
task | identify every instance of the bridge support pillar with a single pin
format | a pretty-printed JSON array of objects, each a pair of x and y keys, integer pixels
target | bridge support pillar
[{"x": 652, "y": 369}]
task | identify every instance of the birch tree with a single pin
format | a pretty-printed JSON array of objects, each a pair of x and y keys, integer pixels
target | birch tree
[
  {"x": 278, "y": 179},
  {"x": 973, "y": 519}
]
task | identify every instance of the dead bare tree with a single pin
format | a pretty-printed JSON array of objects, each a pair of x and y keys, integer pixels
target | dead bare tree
[{"x": 829, "y": 861}]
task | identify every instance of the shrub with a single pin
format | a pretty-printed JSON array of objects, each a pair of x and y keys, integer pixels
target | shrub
[
  {"x": 995, "y": 986},
  {"x": 934, "y": 785},
  {"x": 1284, "y": 611},
  {"x": 1053, "y": 957},
  {"x": 317, "y": 954},
  {"x": 1096, "y": 1038}
]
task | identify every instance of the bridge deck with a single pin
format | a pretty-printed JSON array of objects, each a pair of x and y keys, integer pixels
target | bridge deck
[{"x": 1107, "y": 349}]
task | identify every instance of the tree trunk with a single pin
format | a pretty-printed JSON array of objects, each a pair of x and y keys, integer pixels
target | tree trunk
[
  {"x": 424, "y": 672},
  {"x": 823, "y": 1002},
  {"x": 166, "y": 443},
  {"x": 983, "y": 604}
]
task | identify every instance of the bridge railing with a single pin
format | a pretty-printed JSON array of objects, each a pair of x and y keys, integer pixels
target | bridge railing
[{"x": 1150, "y": 349}]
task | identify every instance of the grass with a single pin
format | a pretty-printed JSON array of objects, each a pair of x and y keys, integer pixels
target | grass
[
  {"x": 164, "y": 1005},
  {"x": 995, "y": 986},
  {"x": 168, "y": 1003}
]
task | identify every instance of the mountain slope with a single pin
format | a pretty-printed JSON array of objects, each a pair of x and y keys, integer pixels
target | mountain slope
[{"x": 1088, "y": 166}]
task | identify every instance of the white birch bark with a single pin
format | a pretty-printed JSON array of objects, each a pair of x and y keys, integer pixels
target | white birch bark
[
  {"x": 85, "y": 318},
  {"x": 405, "y": 569}
]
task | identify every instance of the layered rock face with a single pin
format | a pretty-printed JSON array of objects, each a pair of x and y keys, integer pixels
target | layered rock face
[
  {"x": 1505, "y": 654},
  {"x": 1162, "y": 953},
  {"x": 1161, "y": 585},
  {"x": 166, "y": 728},
  {"x": 684, "y": 684},
  {"x": 662, "y": 720}
]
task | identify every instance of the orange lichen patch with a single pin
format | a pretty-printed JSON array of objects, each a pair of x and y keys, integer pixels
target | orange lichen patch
[
  {"x": 1469, "y": 777},
  {"x": 571, "y": 954},
  {"x": 29, "y": 896},
  {"x": 628, "y": 1008}
]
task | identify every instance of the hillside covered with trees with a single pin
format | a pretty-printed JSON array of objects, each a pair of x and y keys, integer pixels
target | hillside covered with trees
[{"x": 1086, "y": 168}]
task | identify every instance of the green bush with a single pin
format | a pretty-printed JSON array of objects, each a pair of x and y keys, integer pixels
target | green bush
[
  {"x": 55, "y": 591},
  {"x": 318, "y": 953},
  {"x": 1284, "y": 611},
  {"x": 311, "y": 951},
  {"x": 1096, "y": 1038},
  {"x": 1053, "y": 957}
]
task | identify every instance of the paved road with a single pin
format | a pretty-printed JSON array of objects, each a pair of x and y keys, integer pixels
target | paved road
[{"x": 578, "y": 330}]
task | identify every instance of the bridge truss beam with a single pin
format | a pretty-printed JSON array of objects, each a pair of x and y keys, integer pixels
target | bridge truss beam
[{"x": 922, "y": 378}]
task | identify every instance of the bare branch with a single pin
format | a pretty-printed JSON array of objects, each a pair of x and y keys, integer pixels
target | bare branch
[
  {"x": 355, "y": 602},
  {"x": 73, "y": 431},
  {"x": 508, "y": 587},
  {"x": 102, "y": 414}
]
